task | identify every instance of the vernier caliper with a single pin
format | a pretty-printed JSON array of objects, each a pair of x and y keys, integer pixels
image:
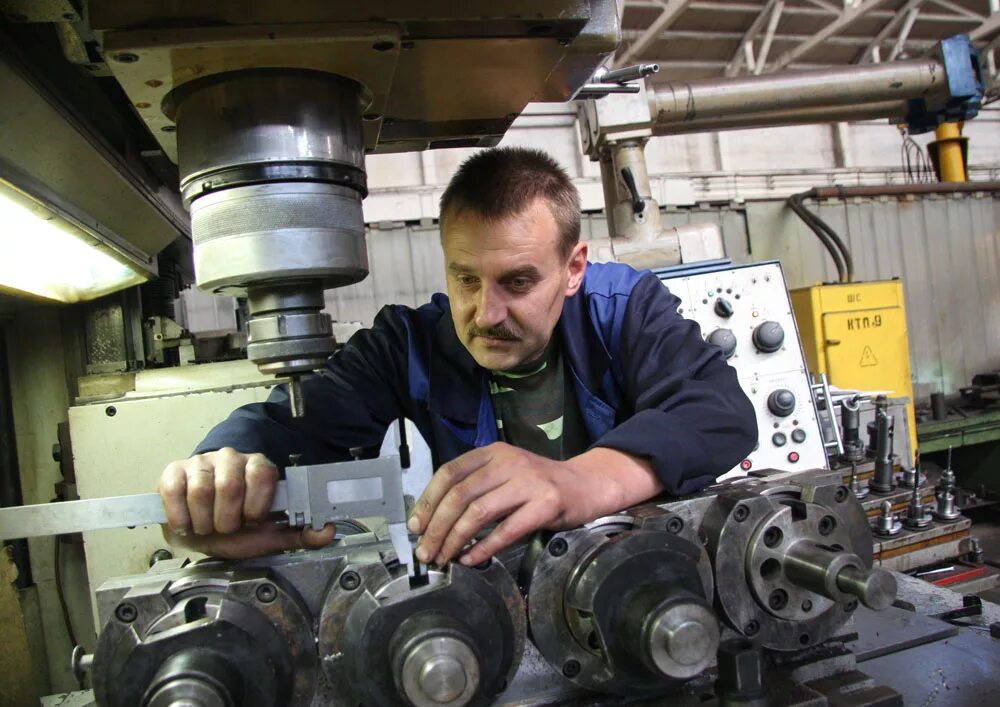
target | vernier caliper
[{"x": 310, "y": 495}]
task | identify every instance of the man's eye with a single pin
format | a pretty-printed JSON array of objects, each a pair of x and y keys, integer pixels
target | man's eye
[
  {"x": 520, "y": 283},
  {"x": 466, "y": 280}
]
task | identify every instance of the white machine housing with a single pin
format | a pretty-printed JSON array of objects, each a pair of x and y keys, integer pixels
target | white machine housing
[{"x": 757, "y": 293}]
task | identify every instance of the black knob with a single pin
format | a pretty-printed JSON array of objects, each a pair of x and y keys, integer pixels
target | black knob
[
  {"x": 724, "y": 308},
  {"x": 768, "y": 337},
  {"x": 725, "y": 340},
  {"x": 799, "y": 435},
  {"x": 779, "y": 439},
  {"x": 781, "y": 402}
]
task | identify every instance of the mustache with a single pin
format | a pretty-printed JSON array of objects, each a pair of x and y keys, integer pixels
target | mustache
[{"x": 501, "y": 331}]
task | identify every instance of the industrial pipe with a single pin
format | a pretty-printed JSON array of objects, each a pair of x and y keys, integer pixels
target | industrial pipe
[
  {"x": 891, "y": 110},
  {"x": 714, "y": 98},
  {"x": 902, "y": 190}
]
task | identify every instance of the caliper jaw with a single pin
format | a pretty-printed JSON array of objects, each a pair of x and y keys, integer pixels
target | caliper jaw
[{"x": 326, "y": 493}]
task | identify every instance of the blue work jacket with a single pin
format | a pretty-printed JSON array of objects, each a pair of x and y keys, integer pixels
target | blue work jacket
[{"x": 646, "y": 382}]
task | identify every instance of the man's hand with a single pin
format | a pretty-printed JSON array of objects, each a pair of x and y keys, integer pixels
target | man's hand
[
  {"x": 223, "y": 498},
  {"x": 528, "y": 491}
]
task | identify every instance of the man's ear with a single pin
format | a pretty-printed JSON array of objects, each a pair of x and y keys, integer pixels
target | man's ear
[{"x": 576, "y": 266}]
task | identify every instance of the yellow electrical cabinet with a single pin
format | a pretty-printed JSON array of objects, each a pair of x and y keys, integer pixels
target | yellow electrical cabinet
[{"x": 856, "y": 334}]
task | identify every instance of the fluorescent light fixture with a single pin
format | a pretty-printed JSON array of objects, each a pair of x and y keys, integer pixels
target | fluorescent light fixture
[{"x": 46, "y": 253}]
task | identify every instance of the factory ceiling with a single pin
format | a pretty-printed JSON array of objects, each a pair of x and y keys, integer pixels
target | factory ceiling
[{"x": 690, "y": 39}]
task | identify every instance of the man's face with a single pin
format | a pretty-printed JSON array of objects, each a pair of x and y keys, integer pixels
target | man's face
[{"x": 507, "y": 281}]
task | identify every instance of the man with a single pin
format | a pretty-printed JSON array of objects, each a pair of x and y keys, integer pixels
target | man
[{"x": 550, "y": 391}]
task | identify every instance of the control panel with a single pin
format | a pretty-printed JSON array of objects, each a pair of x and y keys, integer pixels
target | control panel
[{"x": 745, "y": 310}]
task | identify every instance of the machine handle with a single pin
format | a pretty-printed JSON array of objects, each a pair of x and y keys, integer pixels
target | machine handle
[{"x": 638, "y": 205}]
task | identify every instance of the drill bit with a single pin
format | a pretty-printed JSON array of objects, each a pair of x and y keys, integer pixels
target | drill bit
[
  {"x": 916, "y": 515},
  {"x": 295, "y": 400}
]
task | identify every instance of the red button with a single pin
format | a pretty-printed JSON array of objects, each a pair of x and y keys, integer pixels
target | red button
[
  {"x": 746, "y": 464},
  {"x": 793, "y": 457}
]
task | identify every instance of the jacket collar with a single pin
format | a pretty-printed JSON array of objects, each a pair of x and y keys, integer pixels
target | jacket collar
[{"x": 457, "y": 382}]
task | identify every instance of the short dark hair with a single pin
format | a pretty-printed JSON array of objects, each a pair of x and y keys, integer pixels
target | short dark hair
[{"x": 504, "y": 181}]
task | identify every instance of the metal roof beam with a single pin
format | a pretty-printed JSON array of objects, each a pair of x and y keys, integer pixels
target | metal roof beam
[
  {"x": 986, "y": 28},
  {"x": 703, "y": 35},
  {"x": 904, "y": 32},
  {"x": 959, "y": 10},
  {"x": 801, "y": 10},
  {"x": 745, "y": 49},
  {"x": 871, "y": 52},
  {"x": 765, "y": 46},
  {"x": 672, "y": 9},
  {"x": 846, "y": 18}
]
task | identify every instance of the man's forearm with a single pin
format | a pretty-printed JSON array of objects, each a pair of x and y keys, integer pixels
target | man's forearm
[{"x": 612, "y": 480}]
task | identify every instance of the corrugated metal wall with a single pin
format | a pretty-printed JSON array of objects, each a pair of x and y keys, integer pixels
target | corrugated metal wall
[{"x": 946, "y": 250}]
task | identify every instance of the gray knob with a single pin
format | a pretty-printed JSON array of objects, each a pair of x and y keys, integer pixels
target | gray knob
[
  {"x": 781, "y": 402},
  {"x": 724, "y": 308},
  {"x": 768, "y": 337},
  {"x": 440, "y": 670},
  {"x": 725, "y": 340}
]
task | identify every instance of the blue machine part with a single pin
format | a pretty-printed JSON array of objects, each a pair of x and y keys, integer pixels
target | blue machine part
[{"x": 965, "y": 88}]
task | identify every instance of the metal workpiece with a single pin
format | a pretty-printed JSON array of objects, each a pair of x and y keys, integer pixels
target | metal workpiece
[
  {"x": 838, "y": 575},
  {"x": 946, "y": 509},
  {"x": 777, "y": 552},
  {"x": 886, "y": 524},
  {"x": 881, "y": 434},
  {"x": 917, "y": 515},
  {"x": 204, "y": 636},
  {"x": 850, "y": 424},
  {"x": 622, "y": 606},
  {"x": 455, "y": 638},
  {"x": 859, "y": 489}
]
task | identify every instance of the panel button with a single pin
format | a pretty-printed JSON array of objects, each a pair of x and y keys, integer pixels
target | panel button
[
  {"x": 779, "y": 439},
  {"x": 799, "y": 435},
  {"x": 793, "y": 457}
]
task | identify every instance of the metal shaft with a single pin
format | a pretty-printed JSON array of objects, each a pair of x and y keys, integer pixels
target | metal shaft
[{"x": 896, "y": 81}]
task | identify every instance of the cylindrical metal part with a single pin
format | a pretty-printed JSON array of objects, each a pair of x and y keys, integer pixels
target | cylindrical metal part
[
  {"x": 835, "y": 574},
  {"x": 815, "y": 567},
  {"x": 951, "y": 162},
  {"x": 269, "y": 121},
  {"x": 630, "y": 225},
  {"x": 272, "y": 168},
  {"x": 439, "y": 670},
  {"x": 850, "y": 425},
  {"x": 890, "y": 110},
  {"x": 938, "y": 409},
  {"x": 886, "y": 524},
  {"x": 194, "y": 677},
  {"x": 882, "y": 481},
  {"x": 681, "y": 639},
  {"x": 876, "y": 589},
  {"x": 710, "y": 98},
  {"x": 288, "y": 333},
  {"x": 609, "y": 182}
]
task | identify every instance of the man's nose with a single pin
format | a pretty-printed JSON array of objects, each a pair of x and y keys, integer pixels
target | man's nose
[{"x": 491, "y": 308}]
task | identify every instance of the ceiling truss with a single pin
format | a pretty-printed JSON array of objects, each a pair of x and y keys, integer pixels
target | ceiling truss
[{"x": 882, "y": 30}]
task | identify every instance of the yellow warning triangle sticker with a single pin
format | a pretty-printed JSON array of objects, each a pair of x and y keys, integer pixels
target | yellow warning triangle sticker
[{"x": 868, "y": 358}]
